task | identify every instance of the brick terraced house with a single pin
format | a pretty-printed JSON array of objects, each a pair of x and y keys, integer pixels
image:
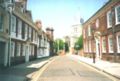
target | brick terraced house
[{"x": 101, "y": 33}]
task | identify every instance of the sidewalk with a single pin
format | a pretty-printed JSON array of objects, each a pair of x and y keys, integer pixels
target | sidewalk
[
  {"x": 105, "y": 66},
  {"x": 22, "y": 72}
]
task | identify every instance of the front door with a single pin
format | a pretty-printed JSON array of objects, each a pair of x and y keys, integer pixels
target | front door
[
  {"x": 2, "y": 53},
  {"x": 27, "y": 54},
  {"x": 97, "y": 48}
]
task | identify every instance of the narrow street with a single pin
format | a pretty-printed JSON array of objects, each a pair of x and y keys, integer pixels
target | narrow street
[{"x": 65, "y": 69}]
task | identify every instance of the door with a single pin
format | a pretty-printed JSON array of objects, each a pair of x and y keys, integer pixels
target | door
[
  {"x": 97, "y": 48},
  {"x": 2, "y": 53},
  {"x": 27, "y": 53}
]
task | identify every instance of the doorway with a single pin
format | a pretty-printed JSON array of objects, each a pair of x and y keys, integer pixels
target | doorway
[
  {"x": 27, "y": 53},
  {"x": 98, "y": 53},
  {"x": 2, "y": 53}
]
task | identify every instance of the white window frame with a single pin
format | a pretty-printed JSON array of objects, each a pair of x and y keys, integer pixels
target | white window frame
[
  {"x": 89, "y": 30},
  {"x": 1, "y": 22},
  {"x": 26, "y": 31},
  {"x": 108, "y": 23},
  {"x": 97, "y": 23},
  {"x": 33, "y": 35},
  {"x": 118, "y": 50},
  {"x": 103, "y": 49},
  {"x": 12, "y": 49},
  {"x": 13, "y": 29},
  {"x": 30, "y": 32},
  {"x": 32, "y": 50},
  {"x": 36, "y": 37},
  {"x": 116, "y": 15},
  {"x": 109, "y": 45},
  {"x": 19, "y": 28},
  {"x": 18, "y": 49},
  {"x": 84, "y": 33},
  {"x": 23, "y": 50},
  {"x": 90, "y": 49}
]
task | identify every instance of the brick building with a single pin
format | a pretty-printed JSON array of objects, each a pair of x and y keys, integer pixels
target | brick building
[{"x": 101, "y": 33}]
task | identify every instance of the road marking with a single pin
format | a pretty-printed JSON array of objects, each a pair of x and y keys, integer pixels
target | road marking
[
  {"x": 41, "y": 70},
  {"x": 99, "y": 71}
]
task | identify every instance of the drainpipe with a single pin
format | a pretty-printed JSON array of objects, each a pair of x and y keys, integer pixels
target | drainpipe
[
  {"x": 9, "y": 57},
  {"x": 9, "y": 6}
]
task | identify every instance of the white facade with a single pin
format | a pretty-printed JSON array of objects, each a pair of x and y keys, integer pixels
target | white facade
[{"x": 76, "y": 32}]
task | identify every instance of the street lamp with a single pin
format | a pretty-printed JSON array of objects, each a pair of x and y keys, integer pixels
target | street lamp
[
  {"x": 58, "y": 46},
  {"x": 114, "y": 36}
]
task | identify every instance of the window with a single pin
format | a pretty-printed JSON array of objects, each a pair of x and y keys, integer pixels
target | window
[
  {"x": 110, "y": 41},
  {"x": 18, "y": 49},
  {"x": 19, "y": 26},
  {"x": 12, "y": 49},
  {"x": 30, "y": 32},
  {"x": 90, "y": 50},
  {"x": 1, "y": 22},
  {"x": 84, "y": 33},
  {"x": 117, "y": 14},
  {"x": 26, "y": 30},
  {"x": 32, "y": 50},
  {"x": 103, "y": 45},
  {"x": 89, "y": 30},
  {"x": 97, "y": 23},
  {"x": 118, "y": 43},
  {"x": 23, "y": 50},
  {"x": 86, "y": 46},
  {"x": 33, "y": 35},
  {"x": 13, "y": 28},
  {"x": 109, "y": 19},
  {"x": 94, "y": 46}
]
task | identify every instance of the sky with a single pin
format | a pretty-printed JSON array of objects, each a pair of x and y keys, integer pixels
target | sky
[{"x": 62, "y": 14}]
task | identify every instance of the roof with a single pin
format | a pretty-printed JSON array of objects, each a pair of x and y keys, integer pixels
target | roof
[{"x": 98, "y": 11}]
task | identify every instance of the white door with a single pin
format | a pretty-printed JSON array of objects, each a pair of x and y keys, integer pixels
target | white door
[{"x": 97, "y": 48}]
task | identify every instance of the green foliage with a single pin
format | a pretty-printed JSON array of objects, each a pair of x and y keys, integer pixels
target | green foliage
[
  {"x": 66, "y": 47},
  {"x": 79, "y": 43},
  {"x": 58, "y": 44}
]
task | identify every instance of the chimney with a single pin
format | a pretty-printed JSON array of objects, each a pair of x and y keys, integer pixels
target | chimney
[{"x": 38, "y": 24}]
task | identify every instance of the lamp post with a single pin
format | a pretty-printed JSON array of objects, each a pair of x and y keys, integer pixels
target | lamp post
[
  {"x": 114, "y": 36},
  {"x": 58, "y": 46}
]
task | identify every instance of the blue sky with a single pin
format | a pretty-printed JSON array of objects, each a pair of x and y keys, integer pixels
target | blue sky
[{"x": 61, "y": 14}]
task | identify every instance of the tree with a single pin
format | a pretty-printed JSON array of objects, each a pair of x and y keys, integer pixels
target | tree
[
  {"x": 79, "y": 43},
  {"x": 66, "y": 47},
  {"x": 58, "y": 45}
]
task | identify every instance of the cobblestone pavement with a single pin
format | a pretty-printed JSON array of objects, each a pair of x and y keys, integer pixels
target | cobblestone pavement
[{"x": 65, "y": 69}]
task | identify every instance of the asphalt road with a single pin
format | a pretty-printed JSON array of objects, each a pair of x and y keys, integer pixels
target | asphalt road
[{"x": 65, "y": 69}]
